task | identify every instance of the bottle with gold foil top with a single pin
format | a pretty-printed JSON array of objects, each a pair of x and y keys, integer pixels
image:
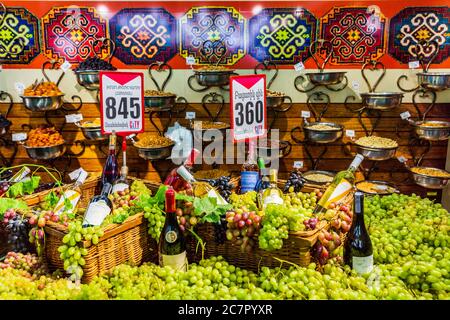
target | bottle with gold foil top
[
  {"x": 272, "y": 194},
  {"x": 341, "y": 185}
]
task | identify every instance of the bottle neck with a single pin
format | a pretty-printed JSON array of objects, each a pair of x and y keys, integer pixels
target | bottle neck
[
  {"x": 112, "y": 143},
  {"x": 358, "y": 210},
  {"x": 106, "y": 190},
  {"x": 355, "y": 163},
  {"x": 185, "y": 174}
]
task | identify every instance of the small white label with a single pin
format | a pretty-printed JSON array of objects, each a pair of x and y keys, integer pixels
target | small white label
[
  {"x": 401, "y": 159},
  {"x": 306, "y": 114},
  {"x": 96, "y": 213},
  {"x": 190, "y": 115},
  {"x": 20, "y": 87},
  {"x": 76, "y": 173},
  {"x": 66, "y": 66},
  {"x": 299, "y": 66},
  {"x": 350, "y": 133},
  {"x": 355, "y": 85},
  {"x": 362, "y": 265},
  {"x": 413, "y": 64},
  {"x": 190, "y": 61},
  {"x": 74, "y": 117},
  {"x": 405, "y": 115},
  {"x": 20, "y": 136},
  {"x": 298, "y": 164}
]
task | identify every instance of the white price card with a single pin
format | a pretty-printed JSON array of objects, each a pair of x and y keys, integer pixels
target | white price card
[
  {"x": 405, "y": 115},
  {"x": 306, "y": 114},
  {"x": 413, "y": 64},
  {"x": 20, "y": 87},
  {"x": 74, "y": 117},
  {"x": 20, "y": 136},
  {"x": 66, "y": 66},
  {"x": 298, "y": 164},
  {"x": 76, "y": 173},
  {"x": 355, "y": 85},
  {"x": 402, "y": 159},
  {"x": 299, "y": 66},
  {"x": 350, "y": 133},
  {"x": 248, "y": 107},
  {"x": 190, "y": 61},
  {"x": 121, "y": 102},
  {"x": 190, "y": 115}
]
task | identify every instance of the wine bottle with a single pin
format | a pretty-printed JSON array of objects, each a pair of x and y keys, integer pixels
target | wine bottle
[
  {"x": 20, "y": 175},
  {"x": 261, "y": 167},
  {"x": 73, "y": 195},
  {"x": 111, "y": 169},
  {"x": 341, "y": 185},
  {"x": 122, "y": 182},
  {"x": 358, "y": 253},
  {"x": 272, "y": 194},
  {"x": 200, "y": 188},
  {"x": 99, "y": 207},
  {"x": 174, "y": 180},
  {"x": 172, "y": 245},
  {"x": 249, "y": 172}
]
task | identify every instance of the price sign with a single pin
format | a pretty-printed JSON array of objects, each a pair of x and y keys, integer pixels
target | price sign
[
  {"x": 405, "y": 115},
  {"x": 76, "y": 173},
  {"x": 20, "y": 87},
  {"x": 20, "y": 136},
  {"x": 248, "y": 107},
  {"x": 65, "y": 66},
  {"x": 401, "y": 159},
  {"x": 413, "y": 64},
  {"x": 190, "y": 115},
  {"x": 299, "y": 66},
  {"x": 74, "y": 117},
  {"x": 298, "y": 164},
  {"x": 306, "y": 114},
  {"x": 350, "y": 133},
  {"x": 190, "y": 61},
  {"x": 121, "y": 102}
]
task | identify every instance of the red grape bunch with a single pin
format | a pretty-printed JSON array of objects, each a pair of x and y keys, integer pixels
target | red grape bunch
[
  {"x": 243, "y": 227},
  {"x": 17, "y": 229}
]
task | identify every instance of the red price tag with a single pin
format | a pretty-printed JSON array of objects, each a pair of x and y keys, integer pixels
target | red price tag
[
  {"x": 248, "y": 107},
  {"x": 122, "y": 102}
]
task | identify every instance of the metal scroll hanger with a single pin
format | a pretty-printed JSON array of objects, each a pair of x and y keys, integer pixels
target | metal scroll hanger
[
  {"x": 419, "y": 51},
  {"x": 106, "y": 43},
  {"x": 160, "y": 66}
]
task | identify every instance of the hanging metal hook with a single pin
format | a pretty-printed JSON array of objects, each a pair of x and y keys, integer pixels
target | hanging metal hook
[
  {"x": 267, "y": 65},
  {"x": 316, "y": 54},
  {"x": 106, "y": 43},
  {"x": 52, "y": 64},
  {"x": 318, "y": 96},
  {"x": 424, "y": 94},
  {"x": 373, "y": 65},
  {"x": 160, "y": 66},
  {"x": 213, "y": 97}
]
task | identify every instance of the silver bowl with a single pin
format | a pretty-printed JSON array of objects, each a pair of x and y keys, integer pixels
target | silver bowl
[
  {"x": 436, "y": 81},
  {"x": 93, "y": 133},
  {"x": 310, "y": 172},
  {"x": 323, "y": 136},
  {"x": 210, "y": 78},
  {"x": 381, "y": 100},
  {"x": 274, "y": 101},
  {"x": 45, "y": 153},
  {"x": 159, "y": 102},
  {"x": 273, "y": 149},
  {"x": 429, "y": 181},
  {"x": 376, "y": 154},
  {"x": 433, "y": 133},
  {"x": 88, "y": 78},
  {"x": 155, "y": 153},
  {"x": 386, "y": 188},
  {"x": 325, "y": 78},
  {"x": 199, "y": 135},
  {"x": 43, "y": 103}
]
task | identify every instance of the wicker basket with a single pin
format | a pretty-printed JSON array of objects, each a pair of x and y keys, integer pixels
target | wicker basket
[{"x": 121, "y": 243}]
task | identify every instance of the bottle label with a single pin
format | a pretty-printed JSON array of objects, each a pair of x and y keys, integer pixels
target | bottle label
[
  {"x": 96, "y": 213},
  {"x": 249, "y": 180},
  {"x": 342, "y": 189},
  {"x": 177, "y": 262},
  {"x": 273, "y": 198},
  {"x": 171, "y": 236},
  {"x": 121, "y": 186},
  {"x": 73, "y": 197},
  {"x": 362, "y": 265}
]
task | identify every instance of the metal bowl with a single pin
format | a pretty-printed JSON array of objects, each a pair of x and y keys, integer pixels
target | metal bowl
[
  {"x": 272, "y": 149},
  {"x": 325, "y": 78},
  {"x": 88, "y": 78},
  {"x": 323, "y": 136},
  {"x": 381, "y": 100},
  {"x": 43, "y": 103},
  {"x": 429, "y": 181},
  {"x": 310, "y": 172},
  {"x": 386, "y": 188},
  {"x": 436, "y": 81},
  {"x": 210, "y": 78},
  {"x": 93, "y": 133},
  {"x": 159, "y": 102},
  {"x": 274, "y": 101},
  {"x": 45, "y": 153},
  {"x": 433, "y": 133},
  {"x": 155, "y": 153},
  {"x": 199, "y": 135},
  {"x": 376, "y": 154}
]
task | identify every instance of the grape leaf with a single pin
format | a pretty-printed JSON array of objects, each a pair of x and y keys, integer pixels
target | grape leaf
[
  {"x": 208, "y": 207},
  {"x": 7, "y": 203},
  {"x": 52, "y": 199},
  {"x": 29, "y": 185},
  {"x": 15, "y": 190},
  {"x": 181, "y": 196}
]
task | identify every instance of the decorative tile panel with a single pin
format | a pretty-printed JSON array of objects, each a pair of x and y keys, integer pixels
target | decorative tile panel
[
  {"x": 69, "y": 33},
  {"x": 282, "y": 35},
  {"x": 204, "y": 30},
  {"x": 19, "y": 36},
  {"x": 357, "y": 36},
  {"x": 414, "y": 24}
]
